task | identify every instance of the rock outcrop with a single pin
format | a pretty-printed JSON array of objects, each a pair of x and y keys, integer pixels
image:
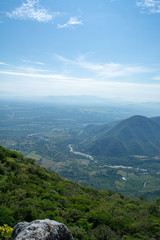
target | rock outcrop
[{"x": 41, "y": 230}]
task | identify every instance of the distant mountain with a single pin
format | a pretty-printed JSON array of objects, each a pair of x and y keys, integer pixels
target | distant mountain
[
  {"x": 156, "y": 119},
  {"x": 136, "y": 135},
  {"x": 78, "y": 100}
]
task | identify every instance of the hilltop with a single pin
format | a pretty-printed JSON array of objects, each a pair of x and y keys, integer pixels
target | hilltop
[
  {"x": 136, "y": 135},
  {"x": 28, "y": 192}
]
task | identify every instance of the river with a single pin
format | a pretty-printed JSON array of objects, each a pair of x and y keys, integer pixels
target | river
[{"x": 79, "y": 153}]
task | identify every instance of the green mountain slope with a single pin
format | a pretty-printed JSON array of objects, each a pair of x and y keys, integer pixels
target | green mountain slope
[
  {"x": 28, "y": 192},
  {"x": 137, "y": 135}
]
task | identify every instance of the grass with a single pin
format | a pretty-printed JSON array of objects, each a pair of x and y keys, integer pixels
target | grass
[{"x": 34, "y": 155}]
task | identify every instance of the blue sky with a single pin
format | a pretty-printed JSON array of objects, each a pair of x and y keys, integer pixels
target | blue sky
[{"x": 106, "y": 48}]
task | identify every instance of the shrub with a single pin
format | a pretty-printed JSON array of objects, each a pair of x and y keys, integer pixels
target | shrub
[{"x": 5, "y": 232}]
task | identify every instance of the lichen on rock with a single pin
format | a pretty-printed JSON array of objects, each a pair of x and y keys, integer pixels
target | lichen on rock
[{"x": 41, "y": 230}]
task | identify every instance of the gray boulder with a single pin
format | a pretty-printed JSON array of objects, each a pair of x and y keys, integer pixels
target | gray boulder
[{"x": 41, "y": 230}]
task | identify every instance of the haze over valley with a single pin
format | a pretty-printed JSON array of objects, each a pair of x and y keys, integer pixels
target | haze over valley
[{"x": 96, "y": 144}]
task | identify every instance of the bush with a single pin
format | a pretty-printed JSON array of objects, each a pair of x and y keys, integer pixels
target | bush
[
  {"x": 6, "y": 216},
  {"x": 103, "y": 232},
  {"x": 78, "y": 233},
  {"x": 5, "y": 232}
]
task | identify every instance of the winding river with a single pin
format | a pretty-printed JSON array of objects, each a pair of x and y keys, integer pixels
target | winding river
[{"x": 79, "y": 153}]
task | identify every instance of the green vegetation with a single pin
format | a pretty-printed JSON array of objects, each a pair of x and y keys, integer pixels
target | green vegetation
[
  {"x": 136, "y": 135},
  {"x": 29, "y": 192},
  {"x": 44, "y": 132},
  {"x": 5, "y": 232}
]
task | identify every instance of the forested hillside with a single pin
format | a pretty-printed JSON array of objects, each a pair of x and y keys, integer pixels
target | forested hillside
[
  {"x": 137, "y": 135},
  {"x": 28, "y": 192}
]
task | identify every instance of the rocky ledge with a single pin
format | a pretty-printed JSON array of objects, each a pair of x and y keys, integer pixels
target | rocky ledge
[{"x": 41, "y": 230}]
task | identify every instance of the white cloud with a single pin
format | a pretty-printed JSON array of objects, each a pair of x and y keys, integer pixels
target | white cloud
[
  {"x": 72, "y": 21},
  {"x": 150, "y": 6},
  {"x": 31, "y": 10},
  {"x": 157, "y": 78},
  {"x": 39, "y": 63},
  {"x": 36, "y": 85},
  {"x": 31, "y": 62},
  {"x": 43, "y": 76},
  {"x": 30, "y": 81},
  {"x": 19, "y": 68},
  {"x": 4, "y": 64},
  {"x": 95, "y": 71},
  {"x": 111, "y": 70},
  {"x": 106, "y": 70}
]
